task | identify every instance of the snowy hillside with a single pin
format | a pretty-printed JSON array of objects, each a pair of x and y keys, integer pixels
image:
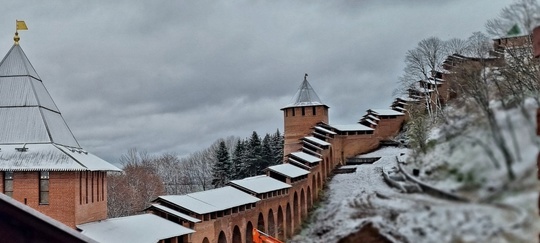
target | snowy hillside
[{"x": 498, "y": 210}]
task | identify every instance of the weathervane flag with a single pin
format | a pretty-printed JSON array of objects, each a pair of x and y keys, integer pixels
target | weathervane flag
[{"x": 21, "y": 25}]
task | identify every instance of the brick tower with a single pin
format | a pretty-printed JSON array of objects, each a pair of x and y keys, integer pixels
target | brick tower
[
  {"x": 304, "y": 112},
  {"x": 41, "y": 163}
]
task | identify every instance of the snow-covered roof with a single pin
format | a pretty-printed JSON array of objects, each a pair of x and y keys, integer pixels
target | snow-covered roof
[
  {"x": 288, "y": 170},
  {"x": 49, "y": 157},
  {"x": 295, "y": 162},
  {"x": 27, "y": 112},
  {"x": 137, "y": 228},
  {"x": 15, "y": 63},
  {"x": 306, "y": 157},
  {"x": 369, "y": 121},
  {"x": 372, "y": 117},
  {"x": 317, "y": 141},
  {"x": 175, "y": 213},
  {"x": 352, "y": 127},
  {"x": 433, "y": 81},
  {"x": 305, "y": 96},
  {"x": 29, "y": 118},
  {"x": 260, "y": 184},
  {"x": 401, "y": 103},
  {"x": 400, "y": 109},
  {"x": 406, "y": 99},
  {"x": 322, "y": 129},
  {"x": 386, "y": 112},
  {"x": 212, "y": 200}
]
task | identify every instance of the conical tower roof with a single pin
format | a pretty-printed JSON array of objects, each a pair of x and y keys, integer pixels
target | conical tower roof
[
  {"x": 33, "y": 133},
  {"x": 305, "y": 96},
  {"x": 27, "y": 112}
]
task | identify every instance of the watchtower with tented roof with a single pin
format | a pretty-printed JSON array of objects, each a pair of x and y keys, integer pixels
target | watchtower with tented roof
[
  {"x": 303, "y": 113},
  {"x": 41, "y": 163}
]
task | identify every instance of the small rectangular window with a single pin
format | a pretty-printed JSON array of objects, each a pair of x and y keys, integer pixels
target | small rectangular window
[
  {"x": 80, "y": 187},
  {"x": 86, "y": 184},
  {"x": 314, "y": 110},
  {"x": 92, "y": 185},
  {"x": 8, "y": 183},
  {"x": 97, "y": 181},
  {"x": 44, "y": 187},
  {"x": 303, "y": 111},
  {"x": 293, "y": 111},
  {"x": 102, "y": 185}
]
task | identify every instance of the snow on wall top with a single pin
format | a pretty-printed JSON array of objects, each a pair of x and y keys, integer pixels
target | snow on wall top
[
  {"x": 288, "y": 170},
  {"x": 322, "y": 129},
  {"x": 306, "y": 157},
  {"x": 260, "y": 184},
  {"x": 352, "y": 127},
  {"x": 137, "y": 228},
  {"x": 386, "y": 112},
  {"x": 317, "y": 141},
  {"x": 373, "y": 117},
  {"x": 212, "y": 200},
  {"x": 369, "y": 121},
  {"x": 175, "y": 213}
]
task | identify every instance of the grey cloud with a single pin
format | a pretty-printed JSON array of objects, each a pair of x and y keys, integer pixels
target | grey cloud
[{"x": 175, "y": 76}]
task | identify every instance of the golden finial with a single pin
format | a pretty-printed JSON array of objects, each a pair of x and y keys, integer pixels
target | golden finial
[
  {"x": 19, "y": 25},
  {"x": 16, "y": 38}
]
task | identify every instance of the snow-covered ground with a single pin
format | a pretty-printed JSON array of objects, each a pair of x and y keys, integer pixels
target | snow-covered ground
[{"x": 500, "y": 211}]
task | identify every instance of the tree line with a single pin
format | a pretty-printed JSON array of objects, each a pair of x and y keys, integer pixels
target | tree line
[
  {"x": 250, "y": 157},
  {"x": 145, "y": 176}
]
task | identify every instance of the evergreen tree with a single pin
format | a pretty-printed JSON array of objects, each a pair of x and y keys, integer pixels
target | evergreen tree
[
  {"x": 238, "y": 161},
  {"x": 277, "y": 148},
  {"x": 267, "y": 155},
  {"x": 222, "y": 168},
  {"x": 253, "y": 159}
]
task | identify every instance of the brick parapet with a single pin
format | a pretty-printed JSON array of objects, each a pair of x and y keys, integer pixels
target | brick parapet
[{"x": 63, "y": 204}]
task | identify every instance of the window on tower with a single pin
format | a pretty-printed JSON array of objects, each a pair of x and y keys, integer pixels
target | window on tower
[
  {"x": 8, "y": 183},
  {"x": 44, "y": 187}
]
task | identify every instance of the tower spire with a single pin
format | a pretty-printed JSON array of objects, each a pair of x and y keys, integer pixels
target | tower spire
[
  {"x": 305, "y": 96},
  {"x": 19, "y": 25}
]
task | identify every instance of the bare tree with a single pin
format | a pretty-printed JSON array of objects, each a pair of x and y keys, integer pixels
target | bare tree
[
  {"x": 421, "y": 63},
  {"x": 521, "y": 13},
  {"x": 475, "y": 80},
  {"x": 457, "y": 46},
  {"x": 199, "y": 169},
  {"x": 168, "y": 167},
  {"x": 418, "y": 130},
  {"x": 131, "y": 191}
]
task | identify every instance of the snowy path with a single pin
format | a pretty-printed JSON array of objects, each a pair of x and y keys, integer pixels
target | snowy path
[{"x": 353, "y": 200}]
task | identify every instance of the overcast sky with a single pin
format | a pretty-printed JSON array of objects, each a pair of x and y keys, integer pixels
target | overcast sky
[{"x": 174, "y": 76}]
